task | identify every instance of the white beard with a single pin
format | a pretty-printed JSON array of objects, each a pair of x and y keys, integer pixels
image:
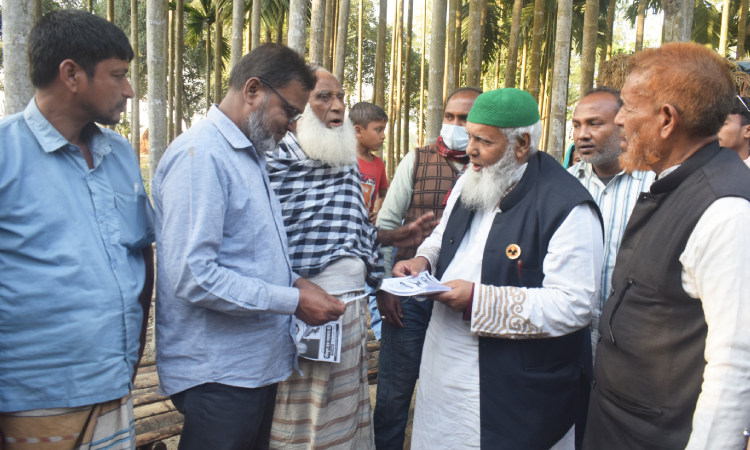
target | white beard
[
  {"x": 483, "y": 190},
  {"x": 335, "y": 147}
]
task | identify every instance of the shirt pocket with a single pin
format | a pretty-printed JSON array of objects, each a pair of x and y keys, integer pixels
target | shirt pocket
[{"x": 134, "y": 219}]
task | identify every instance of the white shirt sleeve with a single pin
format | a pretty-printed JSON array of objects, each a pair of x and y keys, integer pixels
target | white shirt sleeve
[
  {"x": 396, "y": 204},
  {"x": 716, "y": 269},
  {"x": 564, "y": 303},
  {"x": 430, "y": 248}
]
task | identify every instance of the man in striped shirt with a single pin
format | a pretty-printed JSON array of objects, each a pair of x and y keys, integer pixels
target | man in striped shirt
[{"x": 597, "y": 140}]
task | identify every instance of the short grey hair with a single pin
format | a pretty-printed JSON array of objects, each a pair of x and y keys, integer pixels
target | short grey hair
[{"x": 535, "y": 132}]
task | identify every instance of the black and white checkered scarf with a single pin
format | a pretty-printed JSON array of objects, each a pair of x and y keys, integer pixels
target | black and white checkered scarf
[{"x": 324, "y": 212}]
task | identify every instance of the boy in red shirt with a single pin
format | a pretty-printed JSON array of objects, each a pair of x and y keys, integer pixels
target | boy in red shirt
[{"x": 369, "y": 125}]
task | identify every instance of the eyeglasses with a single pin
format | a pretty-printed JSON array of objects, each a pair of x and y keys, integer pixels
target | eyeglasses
[
  {"x": 744, "y": 104},
  {"x": 296, "y": 114}
]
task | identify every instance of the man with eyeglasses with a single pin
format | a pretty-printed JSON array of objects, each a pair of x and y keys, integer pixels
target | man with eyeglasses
[
  {"x": 735, "y": 133},
  {"x": 226, "y": 290},
  {"x": 333, "y": 244}
]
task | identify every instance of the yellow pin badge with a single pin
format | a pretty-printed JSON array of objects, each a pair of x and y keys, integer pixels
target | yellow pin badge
[{"x": 513, "y": 251}]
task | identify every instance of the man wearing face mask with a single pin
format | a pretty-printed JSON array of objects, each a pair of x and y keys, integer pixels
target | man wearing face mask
[{"x": 421, "y": 184}]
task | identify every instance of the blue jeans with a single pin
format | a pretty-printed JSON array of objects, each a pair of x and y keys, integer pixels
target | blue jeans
[
  {"x": 398, "y": 370},
  {"x": 372, "y": 306}
]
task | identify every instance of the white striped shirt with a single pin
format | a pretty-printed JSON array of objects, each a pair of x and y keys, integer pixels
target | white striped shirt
[{"x": 616, "y": 202}]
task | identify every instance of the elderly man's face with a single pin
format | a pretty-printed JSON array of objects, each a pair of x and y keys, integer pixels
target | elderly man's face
[
  {"x": 486, "y": 145},
  {"x": 327, "y": 100},
  {"x": 638, "y": 120}
]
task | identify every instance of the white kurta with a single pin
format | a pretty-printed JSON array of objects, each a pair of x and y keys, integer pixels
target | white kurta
[{"x": 447, "y": 409}]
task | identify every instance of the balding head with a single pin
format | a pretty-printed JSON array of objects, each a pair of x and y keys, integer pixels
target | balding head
[{"x": 327, "y": 99}]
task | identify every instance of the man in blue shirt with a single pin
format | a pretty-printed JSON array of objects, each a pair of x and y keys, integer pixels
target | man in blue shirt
[
  {"x": 76, "y": 228},
  {"x": 226, "y": 290}
]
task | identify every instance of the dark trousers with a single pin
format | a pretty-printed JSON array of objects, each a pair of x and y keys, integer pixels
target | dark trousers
[
  {"x": 398, "y": 370},
  {"x": 221, "y": 417}
]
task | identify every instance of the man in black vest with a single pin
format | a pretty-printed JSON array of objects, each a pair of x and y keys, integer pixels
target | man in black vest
[
  {"x": 520, "y": 243},
  {"x": 673, "y": 357}
]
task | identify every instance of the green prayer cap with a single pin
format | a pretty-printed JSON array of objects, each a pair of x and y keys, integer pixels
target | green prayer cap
[{"x": 505, "y": 108}]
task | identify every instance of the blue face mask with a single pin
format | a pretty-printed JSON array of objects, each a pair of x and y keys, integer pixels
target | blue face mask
[{"x": 455, "y": 137}]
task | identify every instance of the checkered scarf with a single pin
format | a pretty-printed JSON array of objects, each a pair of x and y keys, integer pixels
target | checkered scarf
[{"x": 324, "y": 212}]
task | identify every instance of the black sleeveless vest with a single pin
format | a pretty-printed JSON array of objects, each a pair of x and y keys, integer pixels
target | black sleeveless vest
[
  {"x": 528, "y": 387},
  {"x": 649, "y": 359}
]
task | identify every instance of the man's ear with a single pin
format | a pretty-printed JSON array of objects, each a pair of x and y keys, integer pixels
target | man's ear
[
  {"x": 72, "y": 75},
  {"x": 253, "y": 92},
  {"x": 746, "y": 131},
  {"x": 668, "y": 118},
  {"x": 523, "y": 145}
]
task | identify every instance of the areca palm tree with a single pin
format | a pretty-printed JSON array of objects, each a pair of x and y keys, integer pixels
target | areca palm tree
[{"x": 201, "y": 16}]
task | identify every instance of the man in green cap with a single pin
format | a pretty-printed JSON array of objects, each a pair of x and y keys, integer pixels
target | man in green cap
[{"x": 520, "y": 243}]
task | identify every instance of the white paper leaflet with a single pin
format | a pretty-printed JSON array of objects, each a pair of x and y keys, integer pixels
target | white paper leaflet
[{"x": 422, "y": 284}]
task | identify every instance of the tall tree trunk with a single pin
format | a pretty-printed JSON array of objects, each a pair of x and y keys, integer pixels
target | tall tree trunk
[
  {"x": 588, "y": 53},
  {"x": 90, "y": 6},
  {"x": 317, "y": 31},
  {"x": 536, "y": 48},
  {"x": 238, "y": 25},
  {"x": 678, "y": 20},
  {"x": 37, "y": 10},
  {"x": 156, "y": 51},
  {"x": 18, "y": 18},
  {"x": 179, "y": 38},
  {"x": 328, "y": 33},
  {"x": 523, "y": 62},
  {"x": 380, "y": 55},
  {"x": 741, "y": 33},
  {"x": 640, "y": 25},
  {"x": 170, "y": 78},
  {"x": 218, "y": 50},
  {"x": 420, "y": 136},
  {"x": 249, "y": 32},
  {"x": 391, "y": 166},
  {"x": 515, "y": 32},
  {"x": 724, "y": 29},
  {"x": 267, "y": 34},
  {"x": 208, "y": 68},
  {"x": 257, "y": 10},
  {"x": 296, "y": 26},
  {"x": 360, "y": 31},
  {"x": 457, "y": 56},
  {"x": 334, "y": 34},
  {"x": 407, "y": 89},
  {"x": 135, "y": 76},
  {"x": 341, "y": 38},
  {"x": 606, "y": 52},
  {"x": 280, "y": 29},
  {"x": 558, "y": 101},
  {"x": 474, "y": 45},
  {"x": 451, "y": 49},
  {"x": 399, "y": 77},
  {"x": 111, "y": 10},
  {"x": 437, "y": 59}
]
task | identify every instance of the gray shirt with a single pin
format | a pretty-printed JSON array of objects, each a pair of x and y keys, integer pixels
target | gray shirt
[{"x": 224, "y": 296}]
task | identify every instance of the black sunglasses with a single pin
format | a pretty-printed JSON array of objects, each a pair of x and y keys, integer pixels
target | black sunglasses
[{"x": 296, "y": 114}]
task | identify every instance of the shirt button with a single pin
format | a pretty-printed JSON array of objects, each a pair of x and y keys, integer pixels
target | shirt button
[
  {"x": 604, "y": 193},
  {"x": 452, "y": 240},
  {"x": 593, "y": 384},
  {"x": 612, "y": 291}
]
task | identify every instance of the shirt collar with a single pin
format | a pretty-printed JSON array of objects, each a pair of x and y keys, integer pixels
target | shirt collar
[
  {"x": 51, "y": 140},
  {"x": 586, "y": 170},
  {"x": 48, "y": 137},
  {"x": 228, "y": 129}
]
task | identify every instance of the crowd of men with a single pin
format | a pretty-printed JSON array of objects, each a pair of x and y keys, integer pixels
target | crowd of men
[{"x": 598, "y": 307}]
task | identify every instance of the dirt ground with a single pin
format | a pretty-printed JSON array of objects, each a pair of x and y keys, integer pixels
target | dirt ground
[{"x": 150, "y": 353}]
